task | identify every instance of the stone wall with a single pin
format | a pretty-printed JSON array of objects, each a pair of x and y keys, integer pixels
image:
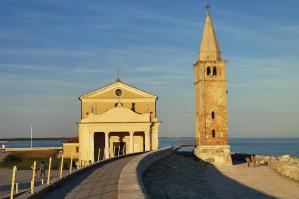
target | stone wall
[
  {"x": 130, "y": 181},
  {"x": 285, "y": 165}
]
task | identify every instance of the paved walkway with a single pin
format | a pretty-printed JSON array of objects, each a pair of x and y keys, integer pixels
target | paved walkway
[
  {"x": 100, "y": 182},
  {"x": 23, "y": 177},
  {"x": 180, "y": 176},
  {"x": 238, "y": 181}
]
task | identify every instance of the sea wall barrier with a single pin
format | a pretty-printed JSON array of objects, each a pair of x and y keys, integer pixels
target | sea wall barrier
[
  {"x": 285, "y": 165},
  {"x": 42, "y": 190},
  {"x": 130, "y": 181}
]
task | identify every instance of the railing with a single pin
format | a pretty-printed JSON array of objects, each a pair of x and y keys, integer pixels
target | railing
[
  {"x": 38, "y": 191},
  {"x": 183, "y": 146}
]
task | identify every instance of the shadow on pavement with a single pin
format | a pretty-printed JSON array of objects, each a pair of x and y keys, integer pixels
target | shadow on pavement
[{"x": 183, "y": 175}]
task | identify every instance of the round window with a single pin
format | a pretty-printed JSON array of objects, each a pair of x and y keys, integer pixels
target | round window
[{"x": 118, "y": 92}]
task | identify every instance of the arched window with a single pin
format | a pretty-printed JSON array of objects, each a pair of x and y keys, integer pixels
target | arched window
[
  {"x": 214, "y": 70},
  {"x": 213, "y": 133},
  {"x": 208, "y": 70},
  {"x": 213, "y": 115}
]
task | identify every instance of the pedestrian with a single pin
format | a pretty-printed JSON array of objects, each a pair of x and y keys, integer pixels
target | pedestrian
[
  {"x": 3, "y": 147},
  {"x": 42, "y": 171},
  {"x": 248, "y": 161},
  {"x": 77, "y": 165},
  {"x": 253, "y": 159}
]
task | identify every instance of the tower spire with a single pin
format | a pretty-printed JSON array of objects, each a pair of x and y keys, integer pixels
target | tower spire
[{"x": 209, "y": 47}]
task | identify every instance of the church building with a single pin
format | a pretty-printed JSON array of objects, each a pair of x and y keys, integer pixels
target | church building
[
  {"x": 211, "y": 99},
  {"x": 117, "y": 119}
]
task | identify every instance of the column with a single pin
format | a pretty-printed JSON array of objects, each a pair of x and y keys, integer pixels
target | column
[
  {"x": 147, "y": 140},
  {"x": 106, "y": 145},
  {"x": 131, "y": 141},
  {"x": 91, "y": 146}
]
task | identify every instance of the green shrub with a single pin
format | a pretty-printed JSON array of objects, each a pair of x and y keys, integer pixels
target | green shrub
[{"x": 23, "y": 163}]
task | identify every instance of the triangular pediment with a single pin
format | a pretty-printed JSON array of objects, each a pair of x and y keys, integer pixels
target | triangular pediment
[
  {"x": 109, "y": 92},
  {"x": 116, "y": 115}
]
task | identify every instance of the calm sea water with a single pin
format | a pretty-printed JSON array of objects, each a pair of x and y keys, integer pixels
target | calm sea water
[
  {"x": 266, "y": 146},
  {"x": 35, "y": 143}
]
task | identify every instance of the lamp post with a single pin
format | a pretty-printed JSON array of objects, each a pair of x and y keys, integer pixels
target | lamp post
[{"x": 31, "y": 134}]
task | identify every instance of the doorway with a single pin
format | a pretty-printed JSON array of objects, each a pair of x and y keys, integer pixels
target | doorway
[
  {"x": 99, "y": 146},
  {"x": 119, "y": 148}
]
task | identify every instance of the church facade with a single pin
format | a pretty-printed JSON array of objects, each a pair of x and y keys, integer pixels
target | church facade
[
  {"x": 211, "y": 100},
  {"x": 117, "y": 119}
]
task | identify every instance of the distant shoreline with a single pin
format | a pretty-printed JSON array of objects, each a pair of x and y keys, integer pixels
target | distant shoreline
[
  {"x": 28, "y": 139},
  {"x": 66, "y": 138}
]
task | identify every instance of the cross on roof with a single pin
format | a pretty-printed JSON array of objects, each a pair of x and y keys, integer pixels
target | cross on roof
[
  {"x": 208, "y": 8},
  {"x": 118, "y": 70}
]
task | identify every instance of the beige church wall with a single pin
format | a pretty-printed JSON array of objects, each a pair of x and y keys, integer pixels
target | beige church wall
[
  {"x": 71, "y": 150},
  {"x": 138, "y": 141},
  {"x": 141, "y": 107},
  {"x": 86, "y": 146},
  {"x": 85, "y": 108},
  {"x": 128, "y": 105},
  {"x": 126, "y": 93},
  {"x": 154, "y": 137},
  {"x": 99, "y": 108}
]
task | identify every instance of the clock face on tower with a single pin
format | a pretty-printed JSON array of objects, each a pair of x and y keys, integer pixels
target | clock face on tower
[{"x": 118, "y": 92}]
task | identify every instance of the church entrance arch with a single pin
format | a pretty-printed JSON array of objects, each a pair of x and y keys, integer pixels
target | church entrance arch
[
  {"x": 99, "y": 145},
  {"x": 119, "y": 143}
]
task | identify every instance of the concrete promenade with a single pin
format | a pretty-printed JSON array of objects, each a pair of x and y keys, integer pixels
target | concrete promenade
[
  {"x": 23, "y": 177},
  {"x": 99, "y": 182},
  {"x": 237, "y": 180},
  {"x": 181, "y": 176}
]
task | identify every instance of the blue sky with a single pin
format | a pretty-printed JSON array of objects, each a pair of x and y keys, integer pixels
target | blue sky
[{"x": 52, "y": 51}]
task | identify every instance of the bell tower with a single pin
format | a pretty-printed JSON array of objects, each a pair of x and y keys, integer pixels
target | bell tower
[{"x": 211, "y": 130}]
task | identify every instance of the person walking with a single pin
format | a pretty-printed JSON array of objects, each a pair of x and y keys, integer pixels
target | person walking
[
  {"x": 253, "y": 160},
  {"x": 3, "y": 147},
  {"x": 42, "y": 171}
]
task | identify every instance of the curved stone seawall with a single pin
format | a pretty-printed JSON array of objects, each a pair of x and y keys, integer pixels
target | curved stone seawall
[
  {"x": 130, "y": 182},
  {"x": 285, "y": 165}
]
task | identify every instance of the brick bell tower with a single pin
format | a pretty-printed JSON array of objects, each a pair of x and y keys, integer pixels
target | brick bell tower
[{"x": 211, "y": 100}]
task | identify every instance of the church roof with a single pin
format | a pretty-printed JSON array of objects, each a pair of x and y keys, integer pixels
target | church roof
[
  {"x": 209, "y": 48},
  {"x": 118, "y": 84}
]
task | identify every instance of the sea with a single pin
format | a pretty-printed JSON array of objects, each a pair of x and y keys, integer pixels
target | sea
[{"x": 264, "y": 146}]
